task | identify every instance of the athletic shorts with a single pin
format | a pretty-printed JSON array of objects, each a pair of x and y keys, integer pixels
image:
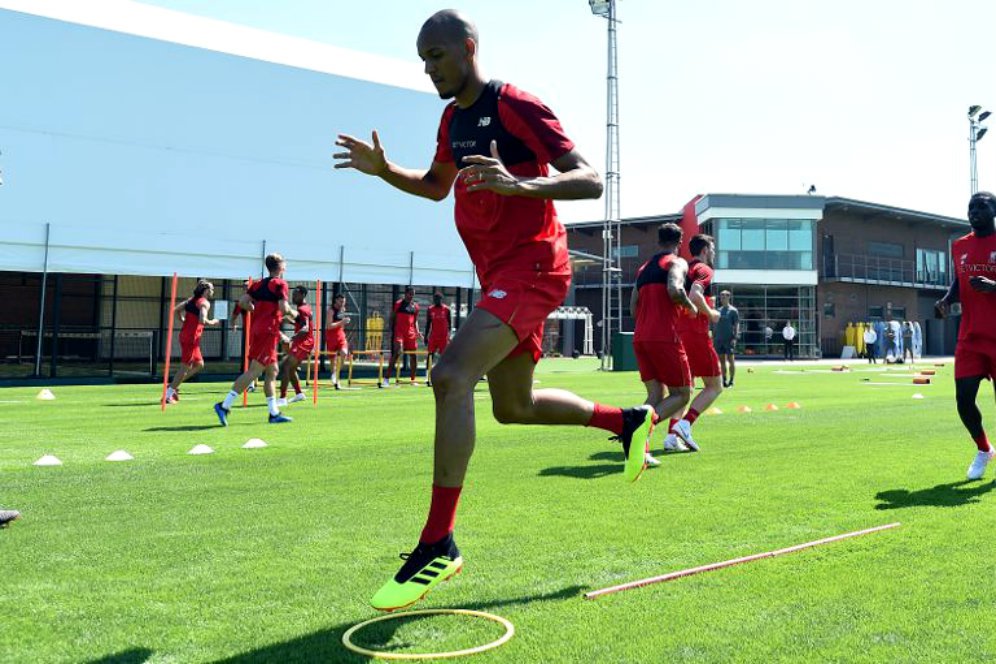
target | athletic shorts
[
  {"x": 406, "y": 342},
  {"x": 975, "y": 357},
  {"x": 263, "y": 348},
  {"x": 438, "y": 344},
  {"x": 664, "y": 362},
  {"x": 190, "y": 352},
  {"x": 723, "y": 346},
  {"x": 335, "y": 342},
  {"x": 523, "y": 300},
  {"x": 302, "y": 350},
  {"x": 702, "y": 358}
]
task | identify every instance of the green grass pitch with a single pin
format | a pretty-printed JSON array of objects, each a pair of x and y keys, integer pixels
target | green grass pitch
[{"x": 270, "y": 555}]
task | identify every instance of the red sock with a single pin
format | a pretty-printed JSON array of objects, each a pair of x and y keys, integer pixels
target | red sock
[
  {"x": 670, "y": 425},
  {"x": 609, "y": 418},
  {"x": 982, "y": 442},
  {"x": 442, "y": 513},
  {"x": 692, "y": 415},
  {"x": 283, "y": 391}
]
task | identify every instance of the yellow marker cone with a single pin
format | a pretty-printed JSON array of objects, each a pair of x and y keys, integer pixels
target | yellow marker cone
[
  {"x": 794, "y": 405},
  {"x": 771, "y": 407},
  {"x": 744, "y": 409},
  {"x": 714, "y": 411},
  {"x": 46, "y": 395}
]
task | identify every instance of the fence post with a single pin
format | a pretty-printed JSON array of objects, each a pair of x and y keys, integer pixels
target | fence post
[{"x": 41, "y": 308}]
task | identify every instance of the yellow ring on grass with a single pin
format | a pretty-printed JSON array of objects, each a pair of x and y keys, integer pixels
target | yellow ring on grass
[{"x": 509, "y": 633}]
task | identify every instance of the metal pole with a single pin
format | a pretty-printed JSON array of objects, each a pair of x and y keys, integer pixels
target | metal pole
[
  {"x": 342, "y": 262},
  {"x": 972, "y": 166},
  {"x": 411, "y": 268},
  {"x": 114, "y": 326},
  {"x": 41, "y": 311},
  {"x": 612, "y": 302}
]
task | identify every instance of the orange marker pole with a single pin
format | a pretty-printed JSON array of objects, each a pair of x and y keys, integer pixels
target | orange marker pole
[
  {"x": 169, "y": 343},
  {"x": 316, "y": 335},
  {"x": 245, "y": 348}
]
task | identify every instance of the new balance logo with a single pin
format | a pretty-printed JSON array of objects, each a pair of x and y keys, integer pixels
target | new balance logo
[
  {"x": 497, "y": 294},
  {"x": 483, "y": 122},
  {"x": 992, "y": 257}
]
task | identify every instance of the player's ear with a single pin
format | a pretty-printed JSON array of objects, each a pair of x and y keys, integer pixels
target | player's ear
[{"x": 470, "y": 46}]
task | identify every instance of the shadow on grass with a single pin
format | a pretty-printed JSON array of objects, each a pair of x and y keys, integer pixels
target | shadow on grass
[
  {"x": 187, "y": 427},
  {"x": 133, "y": 656},
  {"x": 326, "y": 645},
  {"x": 616, "y": 456},
  {"x": 942, "y": 495},
  {"x": 583, "y": 472}
]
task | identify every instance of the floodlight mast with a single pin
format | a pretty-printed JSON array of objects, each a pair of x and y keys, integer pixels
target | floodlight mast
[
  {"x": 975, "y": 133},
  {"x": 612, "y": 301}
]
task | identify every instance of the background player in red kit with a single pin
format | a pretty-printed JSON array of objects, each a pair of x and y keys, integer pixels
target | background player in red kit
[
  {"x": 974, "y": 258},
  {"x": 302, "y": 344},
  {"x": 654, "y": 303},
  {"x": 694, "y": 332},
  {"x": 438, "y": 322},
  {"x": 335, "y": 335},
  {"x": 193, "y": 315},
  {"x": 267, "y": 300},
  {"x": 494, "y": 146},
  {"x": 404, "y": 334}
]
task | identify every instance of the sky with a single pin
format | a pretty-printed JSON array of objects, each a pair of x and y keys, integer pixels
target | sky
[{"x": 862, "y": 99}]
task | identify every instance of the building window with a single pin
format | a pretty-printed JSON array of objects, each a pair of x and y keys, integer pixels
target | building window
[
  {"x": 626, "y": 251},
  {"x": 764, "y": 244},
  {"x": 899, "y": 313},
  {"x": 876, "y": 313},
  {"x": 885, "y": 249},
  {"x": 931, "y": 267}
]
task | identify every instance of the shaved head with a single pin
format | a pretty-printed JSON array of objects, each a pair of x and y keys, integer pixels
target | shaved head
[{"x": 450, "y": 26}]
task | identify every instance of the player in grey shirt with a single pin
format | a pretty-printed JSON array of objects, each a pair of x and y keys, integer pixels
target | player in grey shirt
[{"x": 725, "y": 336}]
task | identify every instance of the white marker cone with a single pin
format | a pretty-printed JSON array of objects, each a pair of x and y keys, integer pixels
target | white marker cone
[
  {"x": 201, "y": 449},
  {"x": 48, "y": 460},
  {"x": 46, "y": 395},
  {"x": 917, "y": 396},
  {"x": 254, "y": 444},
  {"x": 120, "y": 455}
]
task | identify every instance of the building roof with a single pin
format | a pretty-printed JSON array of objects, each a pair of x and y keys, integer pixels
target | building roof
[
  {"x": 871, "y": 211},
  {"x": 651, "y": 220}
]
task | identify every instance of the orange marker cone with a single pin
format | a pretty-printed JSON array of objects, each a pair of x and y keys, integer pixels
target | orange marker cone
[
  {"x": 794, "y": 405},
  {"x": 771, "y": 407},
  {"x": 921, "y": 380},
  {"x": 938, "y": 364},
  {"x": 744, "y": 409},
  {"x": 928, "y": 372}
]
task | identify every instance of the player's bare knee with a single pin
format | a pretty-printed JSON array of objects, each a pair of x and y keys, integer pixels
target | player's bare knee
[
  {"x": 512, "y": 412},
  {"x": 449, "y": 379}
]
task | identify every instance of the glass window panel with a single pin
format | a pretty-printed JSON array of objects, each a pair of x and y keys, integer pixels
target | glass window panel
[
  {"x": 723, "y": 260},
  {"x": 776, "y": 235},
  {"x": 805, "y": 260},
  {"x": 752, "y": 235},
  {"x": 729, "y": 235}
]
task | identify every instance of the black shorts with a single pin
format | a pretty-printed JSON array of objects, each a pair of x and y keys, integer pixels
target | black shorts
[{"x": 724, "y": 346}]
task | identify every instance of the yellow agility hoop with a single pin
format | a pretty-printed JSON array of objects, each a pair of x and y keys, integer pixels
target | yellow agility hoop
[{"x": 509, "y": 633}]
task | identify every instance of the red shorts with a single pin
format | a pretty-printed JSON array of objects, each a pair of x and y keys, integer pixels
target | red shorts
[
  {"x": 975, "y": 357},
  {"x": 702, "y": 358},
  {"x": 263, "y": 348},
  {"x": 302, "y": 350},
  {"x": 190, "y": 352},
  {"x": 336, "y": 342},
  {"x": 438, "y": 344},
  {"x": 664, "y": 362},
  {"x": 406, "y": 342},
  {"x": 523, "y": 300}
]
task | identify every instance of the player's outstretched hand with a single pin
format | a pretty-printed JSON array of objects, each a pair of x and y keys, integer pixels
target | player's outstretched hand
[
  {"x": 488, "y": 174},
  {"x": 942, "y": 307},
  {"x": 982, "y": 284},
  {"x": 361, "y": 155}
]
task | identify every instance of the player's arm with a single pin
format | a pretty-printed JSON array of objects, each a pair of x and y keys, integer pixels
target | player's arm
[
  {"x": 943, "y": 305},
  {"x": 428, "y": 326},
  {"x": 433, "y": 183},
  {"x": 576, "y": 178},
  {"x": 735, "y": 315},
  {"x": 203, "y": 314},
  {"x": 246, "y": 303},
  {"x": 676, "y": 286},
  {"x": 697, "y": 296},
  {"x": 634, "y": 298},
  {"x": 982, "y": 284}
]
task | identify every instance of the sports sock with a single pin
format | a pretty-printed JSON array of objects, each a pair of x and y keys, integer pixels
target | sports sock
[
  {"x": 609, "y": 418},
  {"x": 670, "y": 425},
  {"x": 283, "y": 391},
  {"x": 229, "y": 399},
  {"x": 271, "y": 403},
  {"x": 442, "y": 513},
  {"x": 170, "y": 392},
  {"x": 982, "y": 442},
  {"x": 692, "y": 415}
]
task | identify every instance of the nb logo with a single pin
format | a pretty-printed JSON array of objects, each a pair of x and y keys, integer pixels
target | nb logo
[
  {"x": 483, "y": 122},
  {"x": 992, "y": 257},
  {"x": 497, "y": 294}
]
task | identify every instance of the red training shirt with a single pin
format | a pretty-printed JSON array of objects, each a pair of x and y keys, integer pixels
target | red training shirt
[
  {"x": 656, "y": 314},
  {"x": 405, "y": 314},
  {"x": 975, "y": 256},
  {"x": 266, "y": 295},
  {"x": 698, "y": 272},
  {"x": 193, "y": 328}
]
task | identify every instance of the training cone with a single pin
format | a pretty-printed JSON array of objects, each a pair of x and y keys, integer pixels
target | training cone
[
  {"x": 938, "y": 364},
  {"x": 254, "y": 444},
  {"x": 840, "y": 368},
  {"x": 928, "y": 372},
  {"x": 714, "y": 411},
  {"x": 917, "y": 396},
  {"x": 46, "y": 395},
  {"x": 771, "y": 407},
  {"x": 744, "y": 409},
  {"x": 48, "y": 460},
  {"x": 201, "y": 449},
  {"x": 794, "y": 405},
  {"x": 750, "y": 370},
  {"x": 120, "y": 455},
  {"x": 921, "y": 380}
]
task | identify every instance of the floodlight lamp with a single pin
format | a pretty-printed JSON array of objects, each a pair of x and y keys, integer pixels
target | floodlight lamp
[
  {"x": 984, "y": 115},
  {"x": 972, "y": 110},
  {"x": 981, "y": 133},
  {"x": 599, "y": 7}
]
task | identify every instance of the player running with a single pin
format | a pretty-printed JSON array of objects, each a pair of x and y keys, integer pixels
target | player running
[
  {"x": 302, "y": 344},
  {"x": 193, "y": 316},
  {"x": 974, "y": 258},
  {"x": 438, "y": 322},
  {"x": 404, "y": 336},
  {"x": 494, "y": 146},
  {"x": 267, "y": 300},
  {"x": 694, "y": 333},
  {"x": 655, "y": 304},
  {"x": 335, "y": 336}
]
